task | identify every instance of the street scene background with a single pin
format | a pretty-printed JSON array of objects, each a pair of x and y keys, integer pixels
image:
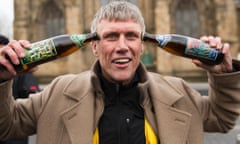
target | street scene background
[{"x": 40, "y": 19}]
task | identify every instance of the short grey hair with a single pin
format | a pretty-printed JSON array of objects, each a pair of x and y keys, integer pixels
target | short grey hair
[{"x": 119, "y": 11}]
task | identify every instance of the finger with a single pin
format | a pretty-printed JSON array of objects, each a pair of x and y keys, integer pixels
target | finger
[
  {"x": 7, "y": 53},
  {"x": 7, "y": 65},
  {"x": 212, "y": 42},
  {"x": 210, "y": 68},
  {"x": 18, "y": 47},
  {"x": 219, "y": 44},
  {"x": 226, "y": 48},
  {"x": 227, "y": 56},
  {"x": 25, "y": 43},
  {"x": 204, "y": 38},
  {"x": 198, "y": 63}
]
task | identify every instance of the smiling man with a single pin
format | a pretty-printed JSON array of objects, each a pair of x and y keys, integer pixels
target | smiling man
[
  {"x": 118, "y": 101},
  {"x": 119, "y": 49}
]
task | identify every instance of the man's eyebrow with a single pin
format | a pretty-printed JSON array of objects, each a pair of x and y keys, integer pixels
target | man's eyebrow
[
  {"x": 110, "y": 33},
  {"x": 104, "y": 34},
  {"x": 133, "y": 32}
]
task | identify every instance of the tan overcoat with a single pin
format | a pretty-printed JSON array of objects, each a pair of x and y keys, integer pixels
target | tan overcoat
[{"x": 68, "y": 110}]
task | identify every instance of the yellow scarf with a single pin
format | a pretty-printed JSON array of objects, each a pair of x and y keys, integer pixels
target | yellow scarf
[{"x": 151, "y": 137}]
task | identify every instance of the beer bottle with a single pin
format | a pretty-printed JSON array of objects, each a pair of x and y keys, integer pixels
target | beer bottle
[
  {"x": 51, "y": 49},
  {"x": 187, "y": 47}
]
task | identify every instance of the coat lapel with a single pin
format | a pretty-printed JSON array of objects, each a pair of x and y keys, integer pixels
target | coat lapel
[
  {"x": 172, "y": 123},
  {"x": 79, "y": 121},
  {"x": 79, "y": 117},
  {"x": 70, "y": 119}
]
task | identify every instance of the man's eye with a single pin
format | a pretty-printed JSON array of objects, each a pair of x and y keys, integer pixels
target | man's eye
[
  {"x": 112, "y": 36},
  {"x": 132, "y": 36}
]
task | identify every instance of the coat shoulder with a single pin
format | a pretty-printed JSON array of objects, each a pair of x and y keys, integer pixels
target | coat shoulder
[
  {"x": 160, "y": 79},
  {"x": 69, "y": 78},
  {"x": 71, "y": 82}
]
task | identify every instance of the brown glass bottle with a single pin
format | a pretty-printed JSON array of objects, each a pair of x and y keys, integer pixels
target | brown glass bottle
[
  {"x": 186, "y": 47},
  {"x": 51, "y": 49}
]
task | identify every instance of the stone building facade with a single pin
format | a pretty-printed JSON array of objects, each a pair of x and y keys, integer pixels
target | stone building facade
[{"x": 40, "y": 19}]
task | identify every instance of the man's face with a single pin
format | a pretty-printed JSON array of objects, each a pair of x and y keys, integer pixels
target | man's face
[{"x": 119, "y": 49}]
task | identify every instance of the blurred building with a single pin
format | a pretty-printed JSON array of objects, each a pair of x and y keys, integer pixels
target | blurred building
[{"x": 40, "y": 19}]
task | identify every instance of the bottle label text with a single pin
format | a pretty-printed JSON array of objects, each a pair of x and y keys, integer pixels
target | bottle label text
[
  {"x": 39, "y": 51},
  {"x": 200, "y": 49},
  {"x": 78, "y": 39}
]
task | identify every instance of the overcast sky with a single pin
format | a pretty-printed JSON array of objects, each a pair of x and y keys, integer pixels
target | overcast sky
[{"x": 6, "y": 17}]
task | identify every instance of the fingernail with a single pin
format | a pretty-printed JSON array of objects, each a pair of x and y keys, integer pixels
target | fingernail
[
  {"x": 22, "y": 55},
  {"x": 219, "y": 46}
]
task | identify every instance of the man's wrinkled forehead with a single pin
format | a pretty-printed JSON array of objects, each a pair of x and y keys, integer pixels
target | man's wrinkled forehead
[{"x": 129, "y": 24}]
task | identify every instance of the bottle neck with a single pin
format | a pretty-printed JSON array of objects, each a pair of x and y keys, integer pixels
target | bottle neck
[
  {"x": 82, "y": 39},
  {"x": 91, "y": 37},
  {"x": 147, "y": 37}
]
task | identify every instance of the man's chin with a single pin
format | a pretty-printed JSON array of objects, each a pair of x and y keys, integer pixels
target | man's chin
[{"x": 122, "y": 79}]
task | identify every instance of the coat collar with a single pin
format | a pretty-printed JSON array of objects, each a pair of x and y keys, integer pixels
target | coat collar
[
  {"x": 170, "y": 124},
  {"x": 80, "y": 118}
]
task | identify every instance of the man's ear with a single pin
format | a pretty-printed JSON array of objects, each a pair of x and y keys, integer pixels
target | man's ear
[{"x": 94, "y": 48}]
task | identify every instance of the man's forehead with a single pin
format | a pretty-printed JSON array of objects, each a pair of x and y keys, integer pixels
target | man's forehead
[
  {"x": 117, "y": 25},
  {"x": 118, "y": 21}
]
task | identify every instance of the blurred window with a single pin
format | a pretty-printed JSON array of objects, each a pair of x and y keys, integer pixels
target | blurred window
[
  {"x": 52, "y": 21},
  {"x": 187, "y": 18}
]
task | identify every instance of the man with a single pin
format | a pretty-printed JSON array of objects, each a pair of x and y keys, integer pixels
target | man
[
  {"x": 118, "y": 101},
  {"x": 22, "y": 86}
]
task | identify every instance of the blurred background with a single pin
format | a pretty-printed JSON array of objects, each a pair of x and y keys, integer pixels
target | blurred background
[{"x": 36, "y": 20}]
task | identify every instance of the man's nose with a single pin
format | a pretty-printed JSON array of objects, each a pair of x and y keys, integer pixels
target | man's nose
[{"x": 122, "y": 43}]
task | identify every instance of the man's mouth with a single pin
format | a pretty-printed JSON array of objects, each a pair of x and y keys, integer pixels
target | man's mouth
[{"x": 122, "y": 60}]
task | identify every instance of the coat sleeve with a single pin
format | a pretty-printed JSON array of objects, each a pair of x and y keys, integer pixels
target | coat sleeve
[
  {"x": 221, "y": 108},
  {"x": 19, "y": 117},
  {"x": 224, "y": 98}
]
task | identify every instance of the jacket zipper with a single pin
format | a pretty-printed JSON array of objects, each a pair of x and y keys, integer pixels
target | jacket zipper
[
  {"x": 119, "y": 123},
  {"x": 128, "y": 120}
]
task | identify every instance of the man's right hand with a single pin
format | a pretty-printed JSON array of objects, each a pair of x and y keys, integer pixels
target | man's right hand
[{"x": 9, "y": 56}]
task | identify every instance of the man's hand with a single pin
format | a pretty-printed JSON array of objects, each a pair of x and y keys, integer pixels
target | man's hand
[
  {"x": 9, "y": 56},
  {"x": 226, "y": 65}
]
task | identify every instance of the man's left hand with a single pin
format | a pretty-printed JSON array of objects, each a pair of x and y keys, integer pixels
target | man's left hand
[{"x": 226, "y": 65}]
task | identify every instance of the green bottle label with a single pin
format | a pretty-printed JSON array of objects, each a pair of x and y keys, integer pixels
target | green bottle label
[
  {"x": 78, "y": 39},
  {"x": 39, "y": 51},
  {"x": 200, "y": 49}
]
